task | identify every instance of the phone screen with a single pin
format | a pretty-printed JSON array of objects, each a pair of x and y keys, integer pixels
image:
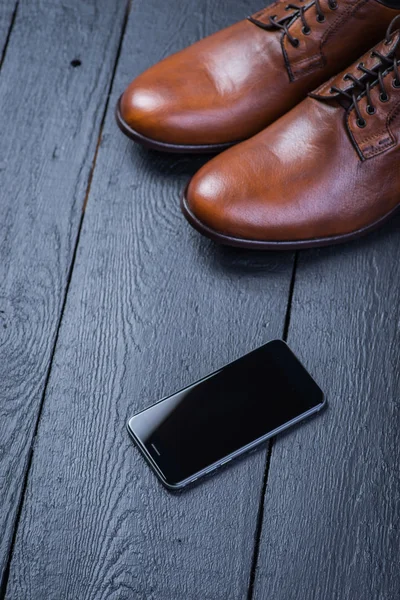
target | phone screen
[{"x": 242, "y": 404}]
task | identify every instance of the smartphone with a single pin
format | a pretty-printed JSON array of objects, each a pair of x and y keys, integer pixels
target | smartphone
[{"x": 205, "y": 425}]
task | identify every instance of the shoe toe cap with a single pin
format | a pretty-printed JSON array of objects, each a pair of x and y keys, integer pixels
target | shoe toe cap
[
  {"x": 231, "y": 199},
  {"x": 206, "y": 199},
  {"x": 142, "y": 107},
  {"x": 180, "y": 101},
  {"x": 221, "y": 199},
  {"x": 175, "y": 108}
]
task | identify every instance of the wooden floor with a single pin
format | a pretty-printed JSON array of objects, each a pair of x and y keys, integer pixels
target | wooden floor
[{"x": 109, "y": 300}]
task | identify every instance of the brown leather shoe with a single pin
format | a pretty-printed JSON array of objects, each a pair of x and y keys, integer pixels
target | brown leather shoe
[
  {"x": 326, "y": 172},
  {"x": 231, "y": 85}
]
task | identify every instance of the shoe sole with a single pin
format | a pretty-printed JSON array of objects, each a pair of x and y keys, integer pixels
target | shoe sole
[
  {"x": 283, "y": 245},
  {"x": 163, "y": 146}
]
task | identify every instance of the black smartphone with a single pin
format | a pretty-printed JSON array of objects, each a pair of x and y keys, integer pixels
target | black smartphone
[{"x": 225, "y": 414}]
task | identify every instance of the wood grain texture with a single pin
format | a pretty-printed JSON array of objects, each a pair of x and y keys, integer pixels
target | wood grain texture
[
  {"x": 332, "y": 510},
  {"x": 152, "y": 307},
  {"x": 49, "y": 121}
]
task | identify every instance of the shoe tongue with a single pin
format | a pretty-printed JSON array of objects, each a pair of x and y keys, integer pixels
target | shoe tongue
[{"x": 369, "y": 61}]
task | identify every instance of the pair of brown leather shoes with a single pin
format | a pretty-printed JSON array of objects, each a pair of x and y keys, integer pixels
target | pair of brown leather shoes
[{"x": 308, "y": 172}]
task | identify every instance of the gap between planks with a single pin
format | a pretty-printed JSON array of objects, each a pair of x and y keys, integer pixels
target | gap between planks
[
  {"x": 10, "y": 28},
  {"x": 260, "y": 515}
]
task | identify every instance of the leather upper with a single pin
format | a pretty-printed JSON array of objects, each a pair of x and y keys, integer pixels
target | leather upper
[
  {"x": 230, "y": 85},
  {"x": 314, "y": 173}
]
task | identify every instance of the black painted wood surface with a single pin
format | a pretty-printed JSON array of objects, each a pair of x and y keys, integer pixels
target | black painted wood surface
[
  {"x": 332, "y": 507},
  {"x": 151, "y": 307},
  {"x": 49, "y": 120}
]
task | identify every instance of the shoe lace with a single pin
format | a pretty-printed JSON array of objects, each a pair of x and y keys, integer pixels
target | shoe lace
[
  {"x": 297, "y": 12},
  {"x": 373, "y": 77}
]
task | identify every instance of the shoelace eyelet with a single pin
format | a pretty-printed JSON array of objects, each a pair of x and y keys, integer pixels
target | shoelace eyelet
[
  {"x": 371, "y": 110},
  {"x": 361, "y": 123},
  {"x": 306, "y": 30},
  {"x": 320, "y": 18},
  {"x": 396, "y": 84},
  {"x": 388, "y": 42},
  {"x": 384, "y": 97},
  {"x": 296, "y": 43},
  {"x": 333, "y": 5},
  {"x": 361, "y": 64}
]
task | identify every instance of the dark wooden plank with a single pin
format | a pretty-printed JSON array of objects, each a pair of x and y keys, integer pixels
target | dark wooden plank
[
  {"x": 49, "y": 121},
  {"x": 7, "y": 15},
  {"x": 152, "y": 306},
  {"x": 332, "y": 508}
]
